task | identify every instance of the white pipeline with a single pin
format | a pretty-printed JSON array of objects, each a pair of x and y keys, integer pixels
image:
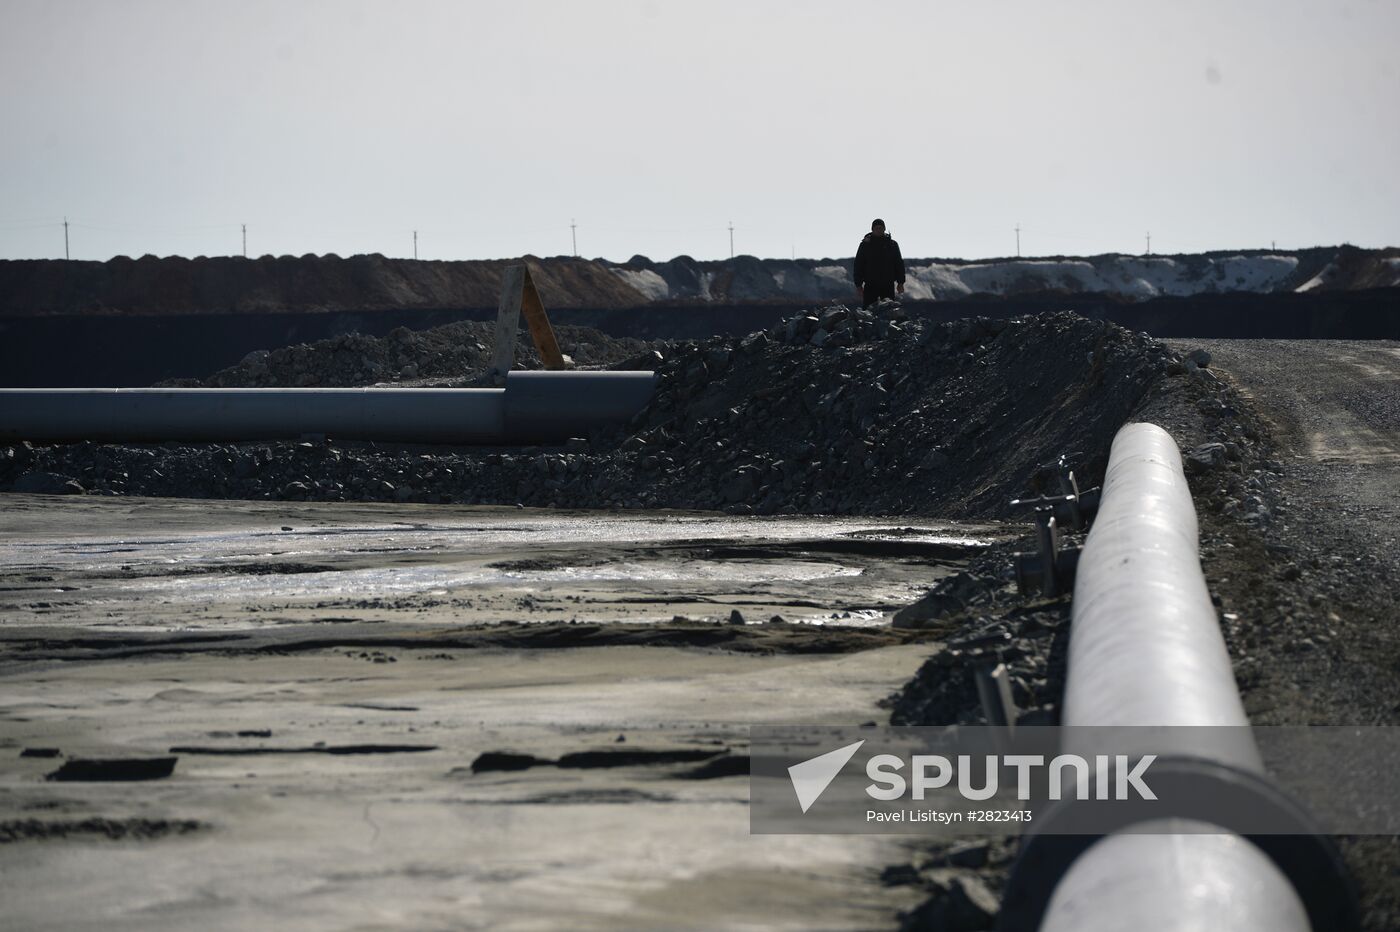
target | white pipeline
[
  {"x": 534, "y": 407},
  {"x": 1146, "y": 649}
]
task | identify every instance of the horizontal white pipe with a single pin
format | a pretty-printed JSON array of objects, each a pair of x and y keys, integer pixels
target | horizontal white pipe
[
  {"x": 533, "y": 407},
  {"x": 136, "y": 414},
  {"x": 569, "y": 404}
]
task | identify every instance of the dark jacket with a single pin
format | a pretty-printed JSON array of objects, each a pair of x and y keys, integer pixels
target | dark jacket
[{"x": 878, "y": 261}]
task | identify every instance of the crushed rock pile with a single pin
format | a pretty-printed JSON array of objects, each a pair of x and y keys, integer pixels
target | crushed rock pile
[
  {"x": 850, "y": 411},
  {"x": 839, "y": 411},
  {"x": 453, "y": 354}
]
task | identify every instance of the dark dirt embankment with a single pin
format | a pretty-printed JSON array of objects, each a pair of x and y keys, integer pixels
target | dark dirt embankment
[
  {"x": 231, "y": 284},
  {"x": 846, "y": 413},
  {"x": 448, "y": 356},
  {"x": 108, "y": 350},
  {"x": 204, "y": 285}
]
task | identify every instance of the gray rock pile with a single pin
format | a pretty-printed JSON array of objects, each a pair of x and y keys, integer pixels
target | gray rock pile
[
  {"x": 453, "y": 354},
  {"x": 844, "y": 411}
]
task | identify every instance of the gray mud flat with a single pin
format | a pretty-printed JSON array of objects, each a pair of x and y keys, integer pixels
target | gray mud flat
[
  {"x": 329, "y": 692},
  {"x": 172, "y": 565}
]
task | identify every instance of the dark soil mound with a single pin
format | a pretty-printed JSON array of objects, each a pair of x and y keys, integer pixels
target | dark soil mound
[
  {"x": 171, "y": 285},
  {"x": 852, "y": 411},
  {"x": 454, "y": 354},
  {"x": 1354, "y": 269}
]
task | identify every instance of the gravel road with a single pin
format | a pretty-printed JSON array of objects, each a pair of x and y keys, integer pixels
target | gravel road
[{"x": 1335, "y": 409}]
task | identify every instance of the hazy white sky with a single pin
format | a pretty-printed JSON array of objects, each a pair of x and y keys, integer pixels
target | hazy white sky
[{"x": 160, "y": 126}]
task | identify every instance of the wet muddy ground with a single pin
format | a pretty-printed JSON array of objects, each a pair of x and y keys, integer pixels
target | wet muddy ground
[
  {"x": 171, "y": 565},
  {"x": 338, "y": 685}
]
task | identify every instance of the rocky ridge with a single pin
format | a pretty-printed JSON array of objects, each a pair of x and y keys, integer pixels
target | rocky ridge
[
  {"x": 452, "y": 355},
  {"x": 175, "y": 285},
  {"x": 309, "y": 283}
]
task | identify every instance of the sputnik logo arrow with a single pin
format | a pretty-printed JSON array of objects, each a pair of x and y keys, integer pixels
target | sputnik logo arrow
[{"x": 811, "y": 777}]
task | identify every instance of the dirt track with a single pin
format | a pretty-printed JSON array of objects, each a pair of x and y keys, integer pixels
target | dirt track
[
  {"x": 1314, "y": 584},
  {"x": 1335, "y": 409},
  {"x": 1331, "y": 400}
]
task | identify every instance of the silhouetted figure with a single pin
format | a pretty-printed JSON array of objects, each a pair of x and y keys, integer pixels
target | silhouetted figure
[{"x": 879, "y": 266}]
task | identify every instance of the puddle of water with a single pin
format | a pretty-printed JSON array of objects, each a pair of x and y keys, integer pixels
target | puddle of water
[
  {"x": 379, "y": 582},
  {"x": 474, "y": 536},
  {"x": 149, "y": 567}
]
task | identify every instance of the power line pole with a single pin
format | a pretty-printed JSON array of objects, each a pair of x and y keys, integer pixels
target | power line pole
[
  {"x": 1018, "y": 241},
  {"x": 731, "y": 239},
  {"x": 573, "y": 233},
  {"x": 65, "y": 238},
  {"x": 1149, "y": 242},
  {"x": 245, "y": 240},
  {"x": 415, "y": 245}
]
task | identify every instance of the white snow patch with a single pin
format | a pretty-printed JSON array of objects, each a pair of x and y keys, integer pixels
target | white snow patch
[
  {"x": 652, "y": 286},
  {"x": 1394, "y": 266},
  {"x": 833, "y": 273},
  {"x": 936, "y": 282},
  {"x": 1256, "y": 273},
  {"x": 1320, "y": 279},
  {"x": 1133, "y": 276}
]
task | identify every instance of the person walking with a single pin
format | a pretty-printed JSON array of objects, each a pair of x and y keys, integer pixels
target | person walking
[{"x": 879, "y": 271}]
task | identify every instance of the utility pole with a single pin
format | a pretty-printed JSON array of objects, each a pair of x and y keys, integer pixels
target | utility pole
[
  {"x": 731, "y": 239},
  {"x": 573, "y": 233},
  {"x": 1018, "y": 241},
  {"x": 245, "y": 240},
  {"x": 65, "y": 238},
  {"x": 415, "y": 245},
  {"x": 1149, "y": 242}
]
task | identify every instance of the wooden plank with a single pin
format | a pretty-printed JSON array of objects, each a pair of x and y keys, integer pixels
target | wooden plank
[
  {"x": 508, "y": 319},
  {"x": 540, "y": 329}
]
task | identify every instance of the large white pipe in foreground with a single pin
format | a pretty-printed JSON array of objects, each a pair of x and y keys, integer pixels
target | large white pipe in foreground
[
  {"x": 1146, "y": 649},
  {"x": 533, "y": 407},
  {"x": 1174, "y": 883},
  {"x": 1145, "y": 645}
]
